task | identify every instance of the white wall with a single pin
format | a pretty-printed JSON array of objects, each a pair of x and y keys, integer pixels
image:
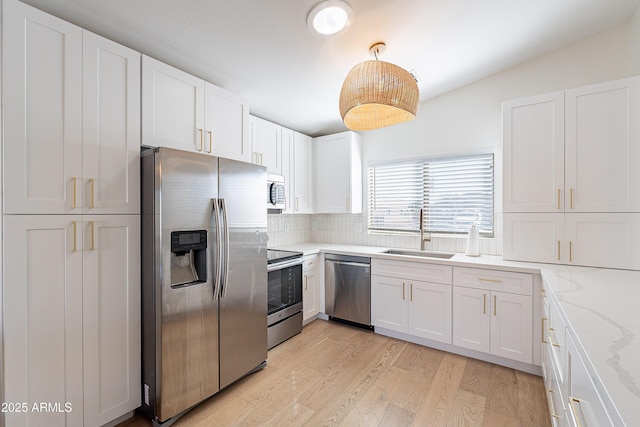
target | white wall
[{"x": 634, "y": 43}]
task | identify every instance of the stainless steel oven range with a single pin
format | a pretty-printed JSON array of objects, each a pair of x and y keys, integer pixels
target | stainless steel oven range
[{"x": 284, "y": 315}]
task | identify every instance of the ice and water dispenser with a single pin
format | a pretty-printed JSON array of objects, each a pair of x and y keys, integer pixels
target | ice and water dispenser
[{"x": 188, "y": 257}]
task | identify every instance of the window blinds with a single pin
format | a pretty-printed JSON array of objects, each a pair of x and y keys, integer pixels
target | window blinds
[{"x": 454, "y": 193}]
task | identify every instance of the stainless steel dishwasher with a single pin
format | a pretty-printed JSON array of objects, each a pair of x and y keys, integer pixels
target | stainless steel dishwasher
[{"x": 348, "y": 288}]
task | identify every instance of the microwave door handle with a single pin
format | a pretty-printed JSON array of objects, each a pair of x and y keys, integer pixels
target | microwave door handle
[
  {"x": 217, "y": 256},
  {"x": 225, "y": 269}
]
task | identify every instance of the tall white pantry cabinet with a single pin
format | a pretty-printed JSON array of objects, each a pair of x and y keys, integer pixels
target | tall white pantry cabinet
[
  {"x": 571, "y": 176},
  {"x": 71, "y": 222}
]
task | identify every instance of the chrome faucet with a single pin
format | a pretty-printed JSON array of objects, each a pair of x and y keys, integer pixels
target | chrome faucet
[{"x": 422, "y": 238}]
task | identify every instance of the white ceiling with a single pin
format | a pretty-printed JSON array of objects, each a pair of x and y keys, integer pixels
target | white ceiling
[{"x": 262, "y": 49}]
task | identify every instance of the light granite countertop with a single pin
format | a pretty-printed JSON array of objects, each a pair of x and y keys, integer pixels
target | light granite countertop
[{"x": 601, "y": 307}]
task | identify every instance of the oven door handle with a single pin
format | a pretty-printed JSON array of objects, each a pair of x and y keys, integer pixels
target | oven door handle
[{"x": 285, "y": 264}]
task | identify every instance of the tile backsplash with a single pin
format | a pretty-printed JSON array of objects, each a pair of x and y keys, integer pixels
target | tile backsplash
[{"x": 351, "y": 229}]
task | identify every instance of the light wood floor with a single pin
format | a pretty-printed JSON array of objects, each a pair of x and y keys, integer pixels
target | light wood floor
[{"x": 332, "y": 374}]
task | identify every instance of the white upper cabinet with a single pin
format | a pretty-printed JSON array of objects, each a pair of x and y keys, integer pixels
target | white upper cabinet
[
  {"x": 227, "y": 128},
  {"x": 338, "y": 173},
  {"x": 172, "y": 107},
  {"x": 72, "y": 118},
  {"x": 266, "y": 144},
  {"x": 574, "y": 154},
  {"x": 110, "y": 127},
  {"x": 303, "y": 174},
  {"x": 602, "y": 147},
  {"x": 533, "y": 132},
  {"x": 184, "y": 112},
  {"x": 42, "y": 74}
]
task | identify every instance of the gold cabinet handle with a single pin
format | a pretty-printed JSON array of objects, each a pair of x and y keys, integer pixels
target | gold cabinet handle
[
  {"x": 495, "y": 303},
  {"x": 201, "y": 139},
  {"x": 92, "y": 187},
  {"x": 402, "y": 291},
  {"x": 555, "y": 344},
  {"x": 572, "y": 402},
  {"x": 305, "y": 282},
  {"x": 571, "y": 198},
  {"x": 570, "y": 251},
  {"x": 482, "y": 279},
  {"x": 296, "y": 204},
  {"x": 74, "y": 180},
  {"x": 558, "y": 198},
  {"x": 93, "y": 236},
  {"x": 410, "y": 291},
  {"x": 484, "y": 308},
  {"x": 210, "y": 141},
  {"x": 558, "y": 250},
  {"x": 542, "y": 331},
  {"x": 261, "y": 162},
  {"x": 75, "y": 236}
]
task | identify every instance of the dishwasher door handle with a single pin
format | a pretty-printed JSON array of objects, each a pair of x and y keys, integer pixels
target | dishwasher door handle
[{"x": 354, "y": 264}]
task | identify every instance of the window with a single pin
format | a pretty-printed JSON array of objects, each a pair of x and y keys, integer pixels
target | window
[{"x": 453, "y": 192}]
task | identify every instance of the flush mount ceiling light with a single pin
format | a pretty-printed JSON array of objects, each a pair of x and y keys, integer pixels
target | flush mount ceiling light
[
  {"x": 329, "y": 17},
  {"x": 376, "y": 94}
]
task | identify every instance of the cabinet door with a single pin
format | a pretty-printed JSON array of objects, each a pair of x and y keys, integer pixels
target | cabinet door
[
  {"x": 430, "y": 311},
  {"x": 333, "y": 169},
  {"x": 603, "y": 240},
  {"x": 603, "y": 147},
  {"x": 172, "y": 107},
  {"x": 303, "y": 172},
  {"x": 43, "y": 321},
  {"x": 471, "y": 318},
  {"x": 111, "y": 316},
  {"x": 511, "y": 326},
  {"x": 288, "y": 169},
  {"x": 266, "y": 144},
  {"x": 111, "y": 127},
  {"x": 226, "y": 124},
  {"x": 534, "y": 237},
  {"x": 533, "y": 138},
  {"x": 389, "y": 298},
  {"x": 310, "y": 295},
  {"x": 42, "y": 82}
]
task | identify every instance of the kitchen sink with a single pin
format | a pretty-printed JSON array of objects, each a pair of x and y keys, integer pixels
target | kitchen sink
[{"x": 441, "y": 255}]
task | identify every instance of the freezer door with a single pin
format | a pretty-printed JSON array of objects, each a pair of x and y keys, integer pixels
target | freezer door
[
  {"x": 243, "y": 292},
  {"x": 186, "y": 345}
]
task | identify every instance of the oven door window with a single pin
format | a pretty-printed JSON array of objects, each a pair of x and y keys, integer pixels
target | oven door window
[{"x": 285, "y": 288}]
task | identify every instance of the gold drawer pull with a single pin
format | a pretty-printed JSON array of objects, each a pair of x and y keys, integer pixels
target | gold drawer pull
[
  {"x": 201, "y": 139},
  {"x": 542, "y": 332},
  {"x": 210, "y": 141},
  {"x": 93, "y": 236},
  {"x": 411, "y": 292},
  {"x": 484, "y": 309},
  {"x": 92, "y": 185},
  {"x": 305, "y": 282},
  {"x": 558, "y": 198},
  {"x": 75, "y": 236},
  {"x": 558, "y": 250},
  {"x": 482, "y": 279},
  {"x": 495, "y": 305},
  {"x": 403, "y": 291}
]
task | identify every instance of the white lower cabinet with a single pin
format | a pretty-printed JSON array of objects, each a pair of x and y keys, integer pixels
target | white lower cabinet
[
  {"x": 72, "y": 330},
  {"x": 585, "y": 406},
  {"x": 403, "y": 304},
  {"x": 310, "y": 288},
  {"x": 492, "y": 312}
]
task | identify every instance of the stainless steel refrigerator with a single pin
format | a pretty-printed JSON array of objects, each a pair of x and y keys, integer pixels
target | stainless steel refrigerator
[{"x": 204, "y": 277}]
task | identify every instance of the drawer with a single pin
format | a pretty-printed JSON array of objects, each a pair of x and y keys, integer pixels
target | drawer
[
  {"x": 310, "y": 262},
  {"x": 424, "y": 272},
  {"x": 493, "y": 280},
  {"x": 555, "y": 398},
  {"x": 556, "y": 337},
  {"x": 584, "y": 404}
]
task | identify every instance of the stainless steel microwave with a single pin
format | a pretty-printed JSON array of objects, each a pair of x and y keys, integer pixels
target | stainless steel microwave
[{"x": 275, "y": 192}]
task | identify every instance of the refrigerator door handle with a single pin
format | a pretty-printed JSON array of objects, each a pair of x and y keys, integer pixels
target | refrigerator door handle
[
  {"x": 217, "y": 257},
  {"x": 225, "y": 272}
]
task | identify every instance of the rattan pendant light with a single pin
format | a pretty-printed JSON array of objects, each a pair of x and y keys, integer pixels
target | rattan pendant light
[{"x": 376, "y": 94}]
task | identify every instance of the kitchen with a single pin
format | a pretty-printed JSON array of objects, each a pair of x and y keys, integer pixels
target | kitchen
[{"x": 606, "y": 54}]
